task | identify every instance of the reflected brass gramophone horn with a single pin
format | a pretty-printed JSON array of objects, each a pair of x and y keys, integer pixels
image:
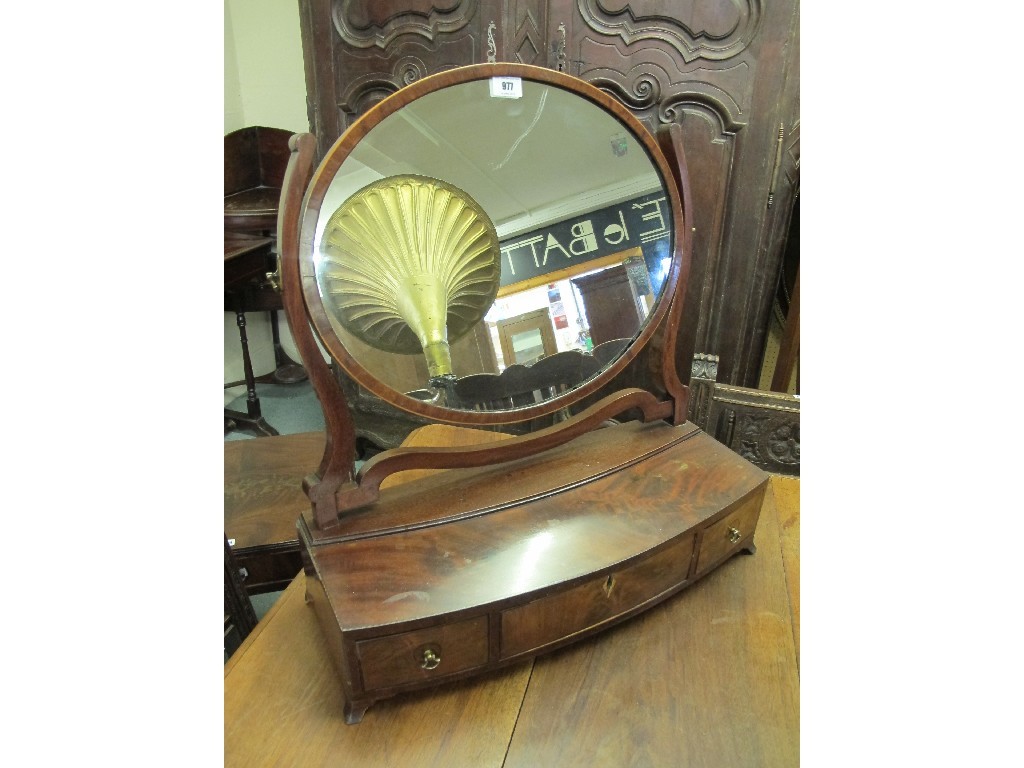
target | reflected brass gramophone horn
[{"x": 410, "y": 263}]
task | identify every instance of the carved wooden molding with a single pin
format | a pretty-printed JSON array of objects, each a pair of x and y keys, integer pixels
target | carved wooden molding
[
  {"x": 529, "y": 46},
  {"x": 364, "y": 92},
  {"x": 703, "y": 372},
  {"x": 361, "y": 93},
  {"x": 672, "y": 108},
  {"x": 707, "y": 98},
  {"x": 365, "y": 25},
  {"x": 704, "y": 366},
  {"x": 762, "y": 427},
  {"x": 713, "y": 35},
  {"x": 648, "y": 86},
  {"x": 769, "y": 441}
]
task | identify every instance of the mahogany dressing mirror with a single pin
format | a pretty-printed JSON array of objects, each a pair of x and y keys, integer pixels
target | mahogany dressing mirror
[
  {"x": 568, "y": 187},
  {"x": 469, "y": 228}
]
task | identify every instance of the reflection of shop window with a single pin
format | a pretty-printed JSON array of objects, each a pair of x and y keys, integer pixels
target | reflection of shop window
[
  {"x": 526, "y": 337},
  {"x": 528, "y": 345}
]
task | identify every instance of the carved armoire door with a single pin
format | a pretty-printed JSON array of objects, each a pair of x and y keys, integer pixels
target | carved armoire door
[{"x": 726, "y": 70}]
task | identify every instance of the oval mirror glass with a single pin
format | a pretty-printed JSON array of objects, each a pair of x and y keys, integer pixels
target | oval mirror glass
[{"x": 479, "y": 234}]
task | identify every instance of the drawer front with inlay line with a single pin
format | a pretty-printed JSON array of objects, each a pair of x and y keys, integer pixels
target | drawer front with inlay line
[
  {"x": 550, "y": 619},
  {"x": 423, "y": 654},
  {"x": 723, "y": 538}
]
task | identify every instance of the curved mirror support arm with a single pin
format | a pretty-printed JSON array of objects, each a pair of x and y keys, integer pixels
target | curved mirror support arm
[
  {"x": 338, "y": 463},
  {"x": 390, "y": 462},
  {"x": 661, "y": 215},
  {"x": 670, "y": 140}
]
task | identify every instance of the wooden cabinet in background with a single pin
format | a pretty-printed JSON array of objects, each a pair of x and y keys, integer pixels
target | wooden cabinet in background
[
  {"x": 610, "y": 305},
  {"x": 726, "y": 70},
  {"x": 527, "y": 337}
]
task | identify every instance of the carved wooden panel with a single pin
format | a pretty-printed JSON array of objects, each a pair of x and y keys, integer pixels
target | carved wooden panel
[
  {"x": 726, "y": 70},
  {"x": 357, "y": 53},
  {"x": 763, "y": 427},
  {"x": 707, "y": 30},
  {"x": 770, "y": 440},
  {"x": 719, "y": 68},
  {"x": 365, "y": 25},
  {"x": 526, "y": 34}
]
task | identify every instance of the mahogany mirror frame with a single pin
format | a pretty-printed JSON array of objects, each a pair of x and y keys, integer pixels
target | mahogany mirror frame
[{"x": 336, "y": 487}]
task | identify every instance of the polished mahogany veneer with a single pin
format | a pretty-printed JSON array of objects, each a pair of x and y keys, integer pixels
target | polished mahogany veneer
[
  {"x": 518, "y": 545},
  {"x": 599, "y": 530}
]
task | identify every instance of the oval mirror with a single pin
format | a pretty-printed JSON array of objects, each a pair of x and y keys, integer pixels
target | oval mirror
[{"x": 489, "y": 244}]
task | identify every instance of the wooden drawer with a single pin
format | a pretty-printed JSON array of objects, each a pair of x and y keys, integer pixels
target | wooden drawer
[
  {"x": 400, "y": 659},
  {"x": 269, "y": 568},
  {"x": 723, "y": 538},
  {"x": 562, "y": 615}
]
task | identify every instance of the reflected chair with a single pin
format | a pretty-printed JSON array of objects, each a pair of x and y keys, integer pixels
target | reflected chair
[{"x": 521, "y": 385}]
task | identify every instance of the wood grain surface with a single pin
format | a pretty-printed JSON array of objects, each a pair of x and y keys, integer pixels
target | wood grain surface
[
  {"x": 283, "y": 706},
  {"x": 709, "y": 678},
  {"x": 530, "y": 547},
  {"x": 263, "y": 494},
  {"x": 787, "y": 501},
  {"x": 434, "y": 435}
]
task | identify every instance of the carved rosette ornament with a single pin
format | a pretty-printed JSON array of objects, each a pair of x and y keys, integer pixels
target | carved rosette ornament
[
  {"x": 642, "y": 90},
  {"x": 409, "y": 69},
  {"x": 704, "y": 366}
]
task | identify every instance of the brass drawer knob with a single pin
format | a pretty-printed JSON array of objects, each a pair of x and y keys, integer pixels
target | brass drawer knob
[
  {"x": 734, "y": 535},
  {"x": 430, "y": 659}
]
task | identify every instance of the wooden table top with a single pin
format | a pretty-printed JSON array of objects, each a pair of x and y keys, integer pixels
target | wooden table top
[
  {"x": 245, "y": 257},
  {"x": 263, "y": 486},
  {"x": 238, "y": 244},
  {"x": 708, "y": 678},
  {"x": 263, "y": 495}
]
